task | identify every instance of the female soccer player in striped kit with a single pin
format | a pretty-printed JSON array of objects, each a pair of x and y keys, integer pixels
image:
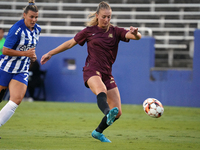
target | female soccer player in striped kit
[
  {"x": 18, "y": 52},
  {"x": 102, "y": 42}
]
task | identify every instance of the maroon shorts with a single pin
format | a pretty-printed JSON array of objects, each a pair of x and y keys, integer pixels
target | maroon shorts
[{"x": 107, "y": 79}]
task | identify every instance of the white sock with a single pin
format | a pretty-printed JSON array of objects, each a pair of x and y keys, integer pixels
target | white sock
[{"x": 7, "y": 111}]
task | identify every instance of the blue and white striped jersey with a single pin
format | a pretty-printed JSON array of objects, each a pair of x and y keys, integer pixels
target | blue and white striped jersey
[{"x": 19, "y": 38}]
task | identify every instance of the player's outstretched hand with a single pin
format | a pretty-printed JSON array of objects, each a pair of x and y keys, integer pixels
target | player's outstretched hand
[
  {"x": 45, "y": 58},
  {"x": 133, "y": 30}
]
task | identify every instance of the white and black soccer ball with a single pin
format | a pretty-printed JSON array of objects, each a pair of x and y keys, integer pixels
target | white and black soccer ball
[{"x": 153, "y": 107}]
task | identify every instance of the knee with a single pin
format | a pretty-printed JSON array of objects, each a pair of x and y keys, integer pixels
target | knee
[
  {"x": 102, "y": 90},
  {"x": 17, "y": 99}
]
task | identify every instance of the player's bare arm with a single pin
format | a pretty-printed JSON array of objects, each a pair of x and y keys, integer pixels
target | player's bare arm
[
  {"x": 11, "y": 52},
  {"x": 133, "y": 34},
  {"x": 65, "y": 46}
]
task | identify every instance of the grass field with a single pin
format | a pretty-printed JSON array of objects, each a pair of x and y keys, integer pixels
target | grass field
[{"x": 68, "y": 126}]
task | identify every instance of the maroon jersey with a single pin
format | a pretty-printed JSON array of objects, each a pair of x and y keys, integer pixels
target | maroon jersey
[{"x": 102, "y": 46}]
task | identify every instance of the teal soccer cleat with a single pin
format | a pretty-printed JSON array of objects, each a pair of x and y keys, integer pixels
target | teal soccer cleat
[
  {"x": 111, "y": 115},
  {"x": 100, "y": 136}
]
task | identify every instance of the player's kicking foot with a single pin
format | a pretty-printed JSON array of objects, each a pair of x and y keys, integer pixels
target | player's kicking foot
[
  {"x": 100, "y": 136},
  {"x": 111, "y": 115}
]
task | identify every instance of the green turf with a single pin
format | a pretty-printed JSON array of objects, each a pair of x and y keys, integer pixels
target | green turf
[{"x": 68, "y": 126}]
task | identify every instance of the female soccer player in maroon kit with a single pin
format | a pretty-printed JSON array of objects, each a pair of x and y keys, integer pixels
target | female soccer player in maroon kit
[{"x": 102, "y": 45}]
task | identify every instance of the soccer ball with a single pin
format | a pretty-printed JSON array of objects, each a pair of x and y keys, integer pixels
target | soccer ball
[{"x": 153, "y": 107}]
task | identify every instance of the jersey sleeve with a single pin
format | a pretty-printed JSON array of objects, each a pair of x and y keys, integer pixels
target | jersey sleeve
[
  {"x": 122, "y": 33},
  {"x": 81, "y": 37},
  {"x": 12, "y": 37}
]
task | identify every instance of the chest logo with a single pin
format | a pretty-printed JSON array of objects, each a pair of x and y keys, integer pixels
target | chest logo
[
  {"x": 98, "y": 73},
  {"x": 110, "y": 35}
]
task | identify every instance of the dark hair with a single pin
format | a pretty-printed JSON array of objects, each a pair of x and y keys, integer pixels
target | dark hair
[{"x": 31, "y": 7}]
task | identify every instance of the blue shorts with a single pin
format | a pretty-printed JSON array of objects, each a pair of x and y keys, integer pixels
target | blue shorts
[{"x": 6, "y": 77}]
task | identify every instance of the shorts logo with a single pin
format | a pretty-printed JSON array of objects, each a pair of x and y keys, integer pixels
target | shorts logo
[{"x": 112, "y": 80}]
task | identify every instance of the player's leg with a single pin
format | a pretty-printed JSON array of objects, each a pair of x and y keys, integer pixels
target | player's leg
[
  {"x": 114, "y": 100},
  {"x": 17, "y": 89},
  {"x": 96, "y": 85},
  {"x": 98, "y": 88}
]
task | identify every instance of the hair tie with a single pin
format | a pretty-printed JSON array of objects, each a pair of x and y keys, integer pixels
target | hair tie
[{"x": 31, "y": 3}]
